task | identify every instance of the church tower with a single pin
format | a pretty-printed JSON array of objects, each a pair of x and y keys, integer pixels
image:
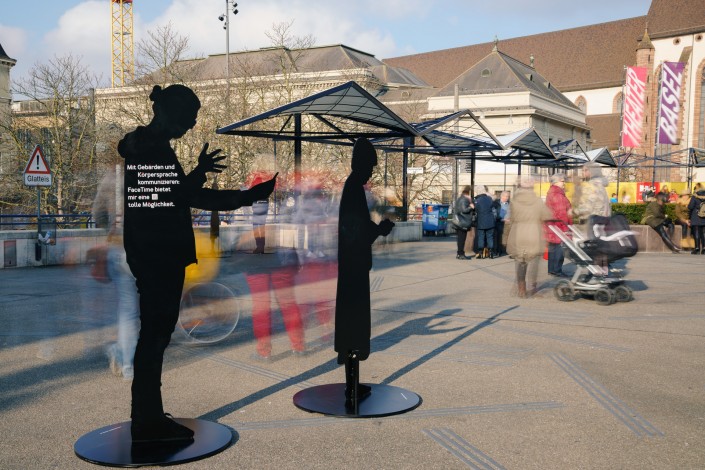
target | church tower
[
  {"x": 6, "y": 63},
  {"x": 645, "y": 58}
]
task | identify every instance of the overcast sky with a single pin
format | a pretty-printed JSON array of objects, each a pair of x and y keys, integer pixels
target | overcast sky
[{"x": 34, "y": 31}]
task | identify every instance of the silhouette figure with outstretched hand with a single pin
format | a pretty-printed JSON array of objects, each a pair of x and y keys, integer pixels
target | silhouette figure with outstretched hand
[{"x": 159, "y": 242}]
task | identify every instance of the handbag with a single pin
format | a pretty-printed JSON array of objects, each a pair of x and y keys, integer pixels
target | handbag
[
  {"x": 701, "y": 210},
  {"x": 97, "y": 257}
]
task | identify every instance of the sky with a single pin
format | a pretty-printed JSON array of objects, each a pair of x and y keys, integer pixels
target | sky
[{"x": 33, "y": 32}]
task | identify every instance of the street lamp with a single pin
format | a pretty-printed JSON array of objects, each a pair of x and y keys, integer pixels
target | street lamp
[{"x": 225, "y": 18}]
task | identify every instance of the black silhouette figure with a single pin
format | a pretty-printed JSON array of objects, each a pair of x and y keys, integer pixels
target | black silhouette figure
[
  {"x": 159, "y": 242},
  {"x": 356, "y": 233}
]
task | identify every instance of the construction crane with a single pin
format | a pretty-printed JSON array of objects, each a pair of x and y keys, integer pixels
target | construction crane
[{"x": 122, "y": 50}]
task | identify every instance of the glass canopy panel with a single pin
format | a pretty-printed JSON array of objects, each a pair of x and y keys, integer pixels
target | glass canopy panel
[{"x": 343, "y": 112}]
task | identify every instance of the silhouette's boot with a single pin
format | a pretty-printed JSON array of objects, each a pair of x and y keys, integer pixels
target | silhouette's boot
[
  {"x": 159, "y": 429},
  {"x": 667, "y": 240}
]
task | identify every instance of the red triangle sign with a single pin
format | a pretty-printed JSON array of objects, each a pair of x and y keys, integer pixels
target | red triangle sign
[{"x": 37, "y": 164}]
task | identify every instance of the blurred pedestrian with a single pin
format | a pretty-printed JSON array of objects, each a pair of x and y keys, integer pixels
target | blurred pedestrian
[
  {"x": 260, "y": 209},
  {"x": 683, "y": 218},
  {"x": 593, "y": 206},
  {"x": 526, "y": 242},
  {"x": 108, "y": 209},
  {"x": 697, "y": 222},
  {"x": 501, "y": 206},
  {"x": 561, "y": 211}
]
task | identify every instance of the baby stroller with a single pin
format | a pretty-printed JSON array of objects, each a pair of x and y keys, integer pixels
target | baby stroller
[{"x": 607, "y": 236}]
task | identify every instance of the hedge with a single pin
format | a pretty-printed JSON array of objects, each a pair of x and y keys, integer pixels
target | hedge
[{"x": 635, "y": 212}]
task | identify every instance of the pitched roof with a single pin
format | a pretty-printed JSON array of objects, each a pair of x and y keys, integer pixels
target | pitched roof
[
  {"x": 497, "y": 73},
  {"x": 4, "y": 56},
  {"x": 272, "y": 61},
  {"x": 675, "y": 17},
  {"x": 572, "y": 59}
]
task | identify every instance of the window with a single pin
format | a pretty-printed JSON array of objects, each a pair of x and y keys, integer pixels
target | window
[
  {"x": 618, "y": 103},
  {"x": 486, "y": 73}
]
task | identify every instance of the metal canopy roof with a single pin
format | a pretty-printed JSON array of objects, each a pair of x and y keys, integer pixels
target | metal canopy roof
[
  {"x": 454, "y": 134},
  {"x": 569, "y": 153},
  {"x": 341, "y": 114},
  {"x": 602, "y": 156},
  {"x": 523, "y": 146},
  {"x": 526, "y": 144}
]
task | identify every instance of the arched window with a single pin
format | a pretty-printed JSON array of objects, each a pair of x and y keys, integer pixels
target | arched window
[
  {"x": 581, "y": 103},
  {"x": 617, "y": 103}
]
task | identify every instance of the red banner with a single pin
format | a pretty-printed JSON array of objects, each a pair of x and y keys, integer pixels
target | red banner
[{"x": 633, "y": 114}]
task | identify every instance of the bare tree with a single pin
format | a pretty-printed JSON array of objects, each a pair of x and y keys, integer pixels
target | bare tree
[
  {"x": 59, "y": 115},
  {"x": 161, "y": 57}
]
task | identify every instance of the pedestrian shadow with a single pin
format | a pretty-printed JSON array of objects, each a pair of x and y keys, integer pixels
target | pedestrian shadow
[
  {"x": 445, "y": 346},
  {"x": 417, "y": 326}
]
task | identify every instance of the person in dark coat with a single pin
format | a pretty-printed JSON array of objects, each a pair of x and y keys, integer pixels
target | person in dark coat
[
  {"x": 463, "y": 210},
  {"x": 356, "y": 233},
  {"x": 486, "y": 217},
  {"x": 159, "y": 241},
  {"x": 656, "y": 218},
  {"x": 501, "y": 207},
  {"x": 697, "y": 223}
]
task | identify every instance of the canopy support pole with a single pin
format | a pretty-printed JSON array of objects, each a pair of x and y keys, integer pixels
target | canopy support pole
[
  {"x": 408, "y": 142},
  {"x": 297, "y": 156}
]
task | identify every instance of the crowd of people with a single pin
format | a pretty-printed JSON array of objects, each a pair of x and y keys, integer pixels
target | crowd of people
[{"x": 524, "y": 227}]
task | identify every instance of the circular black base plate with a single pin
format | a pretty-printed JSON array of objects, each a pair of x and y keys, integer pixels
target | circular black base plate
[
  {"x": 112, "y": 445},
  {"x": 385, "y": 400}
]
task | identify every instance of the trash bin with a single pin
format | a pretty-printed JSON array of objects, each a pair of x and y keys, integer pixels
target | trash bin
[{"x": 434, "y": 218}]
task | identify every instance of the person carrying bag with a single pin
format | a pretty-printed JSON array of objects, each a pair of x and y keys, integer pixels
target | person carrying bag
[{"x": 463, "y": 217}]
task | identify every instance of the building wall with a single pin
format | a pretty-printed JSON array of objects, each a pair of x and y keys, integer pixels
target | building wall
[{"x": 599, "y": 101}]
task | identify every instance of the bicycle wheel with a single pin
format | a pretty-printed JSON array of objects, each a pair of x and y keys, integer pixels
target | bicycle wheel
[{"x": 209, "y": 312}]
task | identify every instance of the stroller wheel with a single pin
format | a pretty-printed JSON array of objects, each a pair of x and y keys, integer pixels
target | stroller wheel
[
  {"x": 564, "y": 291},
  {"x": 623, "y": 294},
  {"x": 604, "y": 296}
]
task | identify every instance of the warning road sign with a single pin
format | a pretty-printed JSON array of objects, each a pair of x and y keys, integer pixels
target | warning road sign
[{"x": 37, "y": 172}]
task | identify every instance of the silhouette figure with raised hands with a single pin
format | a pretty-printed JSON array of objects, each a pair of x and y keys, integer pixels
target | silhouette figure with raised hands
[
  {"x": 356, "y": 233},
  {"x": 159, "y": 242}
]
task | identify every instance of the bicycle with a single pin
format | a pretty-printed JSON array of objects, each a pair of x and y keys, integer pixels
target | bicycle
[{"x": 209, "y": 310}]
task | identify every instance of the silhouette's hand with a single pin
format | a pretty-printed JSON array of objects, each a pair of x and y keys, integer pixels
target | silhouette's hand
[
  {"x": 208, "y": 162},
  {"x": 260, "y": 192},
  {"x": 385, "y": 227}
]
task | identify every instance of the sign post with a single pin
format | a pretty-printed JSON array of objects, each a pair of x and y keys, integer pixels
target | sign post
[{"x": 37, "y": 173}]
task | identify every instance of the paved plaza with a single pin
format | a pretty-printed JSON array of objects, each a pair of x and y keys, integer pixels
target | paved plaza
[{"x": 506, "y": 382}]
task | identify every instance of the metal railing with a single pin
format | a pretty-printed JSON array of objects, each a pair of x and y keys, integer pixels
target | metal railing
[{"x": 29, "y": 221}]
